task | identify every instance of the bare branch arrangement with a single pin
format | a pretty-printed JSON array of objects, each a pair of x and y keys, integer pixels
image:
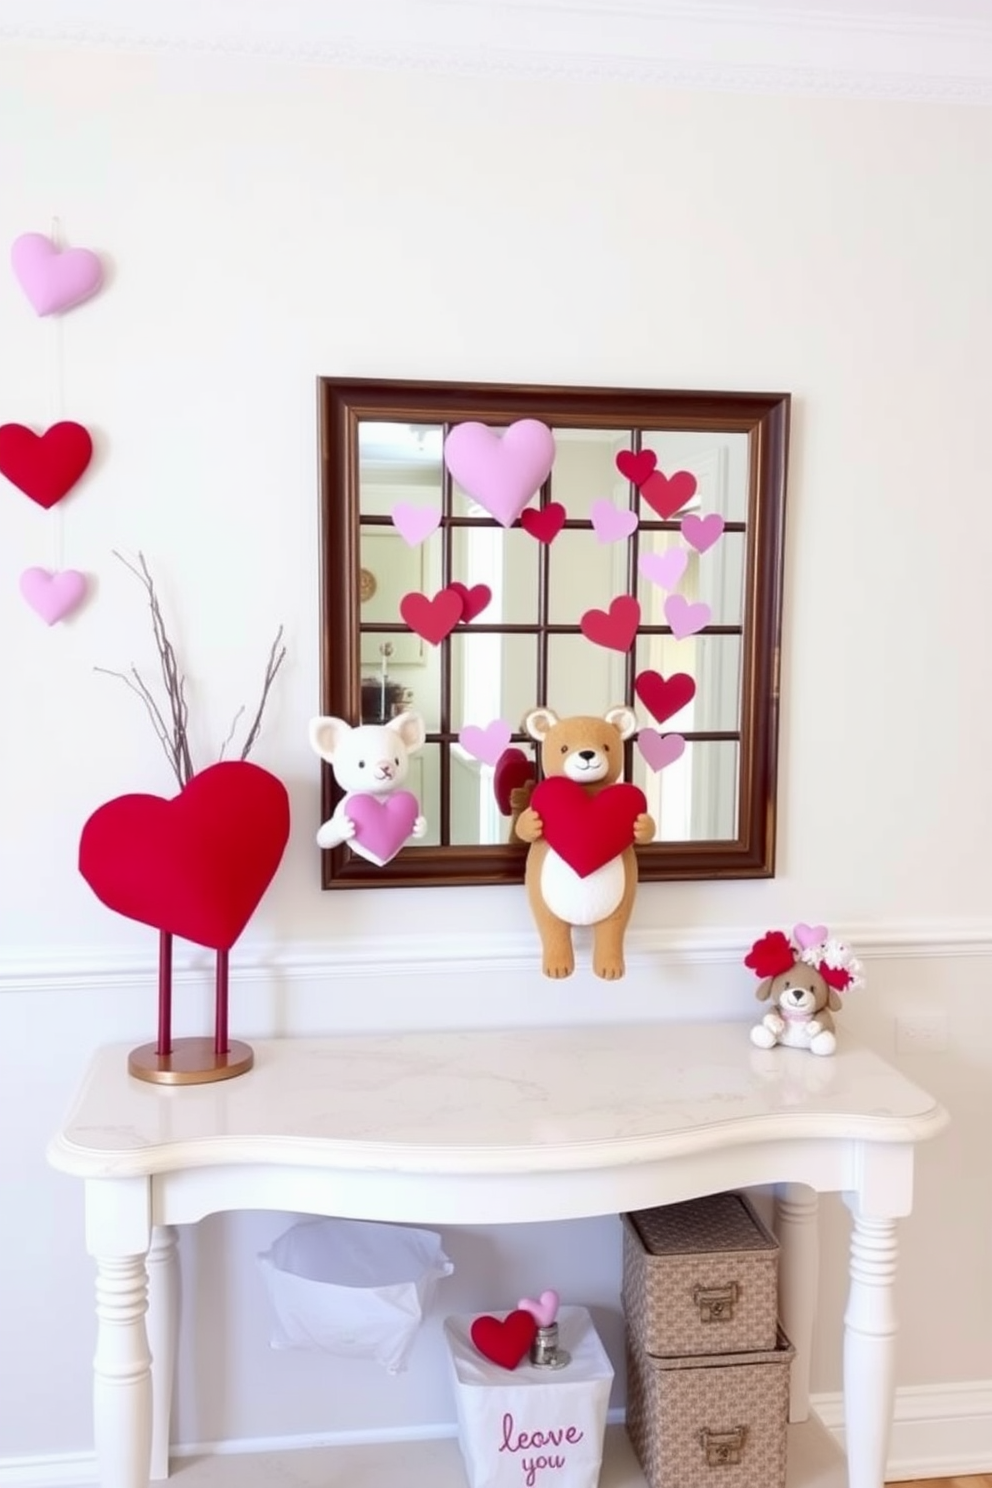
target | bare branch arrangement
[{"x": 172, "y": 725}]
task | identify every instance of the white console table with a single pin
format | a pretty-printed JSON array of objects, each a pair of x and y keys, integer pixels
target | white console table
[{"x": 491, "y": 1127}]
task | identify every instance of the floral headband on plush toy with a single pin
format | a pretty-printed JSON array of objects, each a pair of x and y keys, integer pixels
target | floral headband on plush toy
[{"x": 836, "y": 962}]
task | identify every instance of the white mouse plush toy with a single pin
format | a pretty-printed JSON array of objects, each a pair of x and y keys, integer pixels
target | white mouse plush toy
[{"x": 370, "y": 762}]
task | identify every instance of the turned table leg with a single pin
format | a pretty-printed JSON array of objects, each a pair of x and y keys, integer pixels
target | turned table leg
[
  {"x": 163, "y": 1334},
  {"x": 869, "y": 1349},
  {"x": 122, "y": 1381},
  {"x": 796, "y": 1211}
]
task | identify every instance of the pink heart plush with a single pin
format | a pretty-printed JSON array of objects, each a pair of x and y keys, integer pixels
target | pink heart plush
[
  {"x": 52, "y": 595},
  {"x": 54, "y": 279},
  {"x": 702, "y": 532},
  {"x": 486, "y": 744},
  {"x": 660, "y": 750},
  {"x": 415, "y": 523},
  {"x": 544, "y": 1309},
  {"x": 664, "y": 569},
  {"x": 382, "y": 824},
  {"x": 685, "y": 618},
  {"x": 610, "y": 523},
  {"x": 806, "y": 936},
  {"x": 501, "y": 472}
]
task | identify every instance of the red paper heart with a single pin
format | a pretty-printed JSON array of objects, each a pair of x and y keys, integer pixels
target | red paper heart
[
  {"x": 432, "y": 618},
  {"x": 513, "y": 770},
  {"x": 637, "y": 467},
  {"x": 474, "y": 600},
  {"x": 196, "y": 865},
  {"x": 667, "y": 494},
  {"x": 544, "y": 522},
  {"x": 587, "y": 831},
  {"x": 44, "y": 466},
  {"x": 616, "y": 627},
  {"x": 504, "y": 1342},
  {"x": 664, "y": 696}
]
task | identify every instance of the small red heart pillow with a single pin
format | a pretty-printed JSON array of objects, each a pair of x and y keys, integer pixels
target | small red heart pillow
[
  {"x": 505, "y": 1342},
  {"x": 45, "y": 466},
  {"x": 196, "y": 865}
]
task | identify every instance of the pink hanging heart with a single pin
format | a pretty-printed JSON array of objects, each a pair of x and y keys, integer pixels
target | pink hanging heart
[
  {"x": 415, "y": 523},
  {"x": 807, "y": 936},
  {"x": 54, "y": 279},
  {"x": 501, "y": 472},
  {"x": 610, "y": 523},
  {"x": 486, "y": 744},
  {"x": 685, "y": 618},
  {"x": 382, "y": 824},
  {"x": 702, "y": 532},
  {"x": 660, "y": 750},
  {"x": 664, "y": 569},
  {"x": 544, "y": 1309},
  {"x": 52, "y": 595}
]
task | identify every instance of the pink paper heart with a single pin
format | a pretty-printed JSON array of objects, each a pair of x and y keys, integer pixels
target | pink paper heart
[
  {"x": 610, "y": 523},
  {"x": 544, "y": 1309},
  {"x": 54, "y": 279},
  {"x": 52, "y": 595},
  {"x": 685, "y": 618},
  {"x": 501, "y": 472},
  {"x": 382, "y": 824},
  {"x": 806, "y": 936},
  {"x": 702, "y": 532},
  {"x": 486, "y": 744},
  {"x": 415, "y": 523},
  {"x": 664, "y": 569},
  {"x": 660, "y": 750}
]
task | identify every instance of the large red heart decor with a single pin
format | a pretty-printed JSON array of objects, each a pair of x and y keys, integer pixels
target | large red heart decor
[
  {"x": 504, "y": 1341},
  {"x": 44, "y": 466},
  {"x": 664, "y": 696},
  {"x": 587, "y": 831},
  {"x": 196, "y": 865}
]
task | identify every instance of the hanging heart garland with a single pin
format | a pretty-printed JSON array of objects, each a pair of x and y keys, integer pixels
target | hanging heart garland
[
  {"x": 45, "y": 466},
  {"x": 53, "y": 596},
  {"x": 54, "y": 279},
  {"x": 502, "y": 472}
]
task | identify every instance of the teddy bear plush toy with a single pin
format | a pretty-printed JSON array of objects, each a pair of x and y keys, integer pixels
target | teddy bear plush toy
[
  {"x": 801, "y": 980},
  {"x": 370, "y": 763},
  {"x": 581, "y": 824}
]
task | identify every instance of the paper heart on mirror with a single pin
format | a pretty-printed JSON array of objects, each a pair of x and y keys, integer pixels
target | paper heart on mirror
[
  {"x": 415, "y": 524},
  {"x": 685, "y": 618},
  {"x": 614, "y": 628},
  {"x": 636, "y": 467},
  {"x": 611, "y": 523},
  {"x": 504, "y": 1341},
  {"x": 659, "y": 750},
  {"x": 664, "y": 696},
  {"x": 664, "y": 569},
  {"x": 544, "y": 522},
  {"x": 486, "y": 744},
  {"x": 474, "y": 600},
  {"x": 435, "y": 618},
  {"x": 667, "y": 494},
  {"x": 701, "y": 532}
]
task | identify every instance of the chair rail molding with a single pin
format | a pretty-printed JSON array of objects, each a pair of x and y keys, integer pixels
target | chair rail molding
[{"x": 940, "y": 50}]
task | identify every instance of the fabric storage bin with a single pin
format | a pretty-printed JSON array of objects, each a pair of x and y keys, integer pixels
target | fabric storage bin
[
  {"x": 700, "y": 1277},
  {"x": 710, "y": 1421},
  {"x": 529, "y": 1427}
]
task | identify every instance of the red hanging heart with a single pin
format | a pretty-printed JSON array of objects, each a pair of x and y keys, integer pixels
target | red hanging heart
[
  {"x": 504, "y": 1341},
  {"x": 513, "y": 770},
  {"x": 616, "y": 627},
  {"x": 196, "y": 865},
  {"x": 587, "y": 831},
  {"x": 544, "y": 522},
  {"x": 433, "y": 619},
  {"x": 664, "y": 696},
  {"x": 667, "y": 494},
  {"x": 637, "y": 467},
  {"x": 44, "y": 466},
  {"x": 474, "y": 600}
]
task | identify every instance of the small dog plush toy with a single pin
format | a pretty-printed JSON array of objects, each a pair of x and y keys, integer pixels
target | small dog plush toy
[
  {"x": 802, "y": 979},
  {"x": 370, "y": 762},
  {"x": 581, "y": 824}
]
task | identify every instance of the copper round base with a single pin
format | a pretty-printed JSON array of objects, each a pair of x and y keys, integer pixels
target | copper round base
[{"x": 192, "y": 1062}]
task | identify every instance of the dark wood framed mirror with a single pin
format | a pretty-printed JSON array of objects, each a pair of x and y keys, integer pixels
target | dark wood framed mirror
[{"x": 382, "y": 447}]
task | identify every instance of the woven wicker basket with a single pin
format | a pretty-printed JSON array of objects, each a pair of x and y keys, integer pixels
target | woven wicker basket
[
  {"x": 700, "y": 1278},
  {"x": 710, "y": 1422}
]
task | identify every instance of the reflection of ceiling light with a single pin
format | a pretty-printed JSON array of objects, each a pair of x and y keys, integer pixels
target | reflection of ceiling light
[{"x": 400, "y": 444}]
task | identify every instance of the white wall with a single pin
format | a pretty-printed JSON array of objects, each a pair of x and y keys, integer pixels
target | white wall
[{"x": 266, "y": 223}]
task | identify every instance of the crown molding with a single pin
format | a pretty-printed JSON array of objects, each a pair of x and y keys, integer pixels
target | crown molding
[{"x": 868, "y": 51}]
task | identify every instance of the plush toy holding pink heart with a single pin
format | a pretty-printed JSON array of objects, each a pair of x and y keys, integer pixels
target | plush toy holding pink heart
[
  {"x": 54, "y": 279},
  {"x": 376, "y": 817}
]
